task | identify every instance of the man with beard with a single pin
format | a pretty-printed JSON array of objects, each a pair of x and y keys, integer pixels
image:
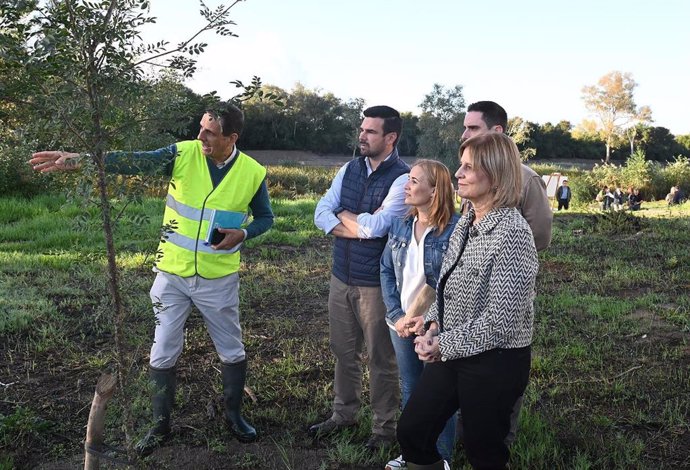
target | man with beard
[
  {"x": 487, "y": 116},
  {"x": 365, "y": 196}
]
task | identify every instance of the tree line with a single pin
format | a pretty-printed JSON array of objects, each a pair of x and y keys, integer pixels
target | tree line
[{"x": 313, "y": 120}]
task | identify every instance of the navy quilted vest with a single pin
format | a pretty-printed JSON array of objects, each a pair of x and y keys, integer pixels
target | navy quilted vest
[{"x": 356, "y": 261}]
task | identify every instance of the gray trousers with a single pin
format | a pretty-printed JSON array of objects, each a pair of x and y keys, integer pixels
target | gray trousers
[
  {"x": 357, "y": 316},
  {"x": 217, "y": 300}
]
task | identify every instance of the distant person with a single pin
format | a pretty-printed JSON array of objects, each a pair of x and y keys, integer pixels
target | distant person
[
  {"x": 605, "y": 198},
  {"x": 634, "y": 200},
  {"x": 410, "y": 262},
  {"x": 358, "y": 209},
  {"x": 563, "y": 195},
  {"x": 207, "y": 173},
  {"x": 679, "y": 197},
  {"x": 485, "y": 117},
  {"x": 618, "y": 198},
  {"x": 671, "y": 196},
  {"x": 477, "y": 336}
]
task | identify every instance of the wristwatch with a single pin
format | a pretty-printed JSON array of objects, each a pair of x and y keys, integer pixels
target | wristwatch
[{"x": 338, "y": 210}]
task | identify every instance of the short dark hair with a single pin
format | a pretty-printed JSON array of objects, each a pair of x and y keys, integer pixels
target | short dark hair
[
  {"x": 230, "y": 117},
  {"x": 392, "y": 122},
  {"x": 493, "y": 114}
]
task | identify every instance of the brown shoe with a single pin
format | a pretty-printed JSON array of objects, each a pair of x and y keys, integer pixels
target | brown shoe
[{"x": 327, "y": 427}]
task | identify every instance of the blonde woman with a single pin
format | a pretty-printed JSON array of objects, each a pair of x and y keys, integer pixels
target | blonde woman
[
  {"x": 412, "y": 259},
  {"x": 477, "y": 336}
]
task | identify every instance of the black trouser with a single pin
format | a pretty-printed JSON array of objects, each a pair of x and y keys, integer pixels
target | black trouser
[
  {"x": 563, "y": 203},
  {"x": 484, "y": 387}
]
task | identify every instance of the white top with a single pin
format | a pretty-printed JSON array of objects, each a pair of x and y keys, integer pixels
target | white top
[{"x": 413, "y": 272}]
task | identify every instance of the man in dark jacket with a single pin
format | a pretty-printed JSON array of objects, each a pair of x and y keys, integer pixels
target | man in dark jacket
[
  {"x": 358, "y": 209},
  {"x": 563, "y": 195}
]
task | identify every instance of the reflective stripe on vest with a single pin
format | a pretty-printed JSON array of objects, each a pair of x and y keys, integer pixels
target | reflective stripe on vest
[
  {"x": 186, "y": 211},
  {"x": 191, "y": 196},
  {"x": 191, "y": 244}
]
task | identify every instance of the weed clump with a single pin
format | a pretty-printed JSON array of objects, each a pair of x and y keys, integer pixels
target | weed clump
[{"x": 615, "y": 222}]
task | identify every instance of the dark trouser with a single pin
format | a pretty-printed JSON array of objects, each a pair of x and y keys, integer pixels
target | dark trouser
[
  {"x": 563, "y": 204},
  {"x": 484, "y": 387}
]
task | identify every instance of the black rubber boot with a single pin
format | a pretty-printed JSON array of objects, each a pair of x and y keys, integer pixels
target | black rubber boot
[
  {"x": 234, "y": 376},
  {"x": 162, "y": 402}
]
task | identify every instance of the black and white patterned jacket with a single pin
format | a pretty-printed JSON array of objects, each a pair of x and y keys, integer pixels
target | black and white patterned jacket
[{"x": 487, "y": 300}]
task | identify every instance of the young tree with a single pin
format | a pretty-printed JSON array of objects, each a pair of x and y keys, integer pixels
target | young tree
[
  {"x": 642, "y": 117},
  {"x": 612, "y": 101},
  {"x": 84, "y": 72}
]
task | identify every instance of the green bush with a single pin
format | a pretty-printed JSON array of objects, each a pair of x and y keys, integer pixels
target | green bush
[
  {"x": 653, "y": 179},
  {"x": 615, "y": 223},
  {"x": 16, "y": 176},
  {"x": 677, "y": 173},
  {"x": 584, "y": 188},
  {"x": 637, "y": 172}
]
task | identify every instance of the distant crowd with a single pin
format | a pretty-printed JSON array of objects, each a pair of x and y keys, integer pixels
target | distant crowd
[{"x": 615, "y": 199}]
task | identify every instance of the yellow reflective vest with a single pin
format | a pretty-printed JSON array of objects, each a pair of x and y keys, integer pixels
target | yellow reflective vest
[{"x": 190, "y": 201}]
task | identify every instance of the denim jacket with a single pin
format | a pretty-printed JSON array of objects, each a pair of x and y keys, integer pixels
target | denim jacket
[{"x": 395, "y": 255}]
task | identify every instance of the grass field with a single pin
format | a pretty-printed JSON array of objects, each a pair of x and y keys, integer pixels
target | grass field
[{"x": 611, "y": 363}]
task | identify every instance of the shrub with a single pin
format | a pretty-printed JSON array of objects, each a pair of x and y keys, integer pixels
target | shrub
[
  {"x": 583, "y": 187},
  {"x": 653, "y": 179},
  {"x": 637, "y": 172},
  {"x": 16, "y": 176},
  {"x": 677, "y": 172},
  {"x": 615, "y": 223}
]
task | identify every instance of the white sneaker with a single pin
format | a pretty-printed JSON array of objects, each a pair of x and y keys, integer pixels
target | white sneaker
[
  {"x": 397, "y": 464},
  {"x": 446, "y": 465}
]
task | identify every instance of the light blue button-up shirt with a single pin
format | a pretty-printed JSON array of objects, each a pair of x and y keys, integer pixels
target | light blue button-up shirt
[{"x": 370, "y": 225}]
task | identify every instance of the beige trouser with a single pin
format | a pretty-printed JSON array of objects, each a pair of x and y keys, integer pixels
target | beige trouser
[{"x": 357, "y": 314}]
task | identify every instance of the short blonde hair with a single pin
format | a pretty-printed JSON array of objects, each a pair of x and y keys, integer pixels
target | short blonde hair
[
  {"x": 497, "y": 155},
  {"x": 442, "y": 204}
]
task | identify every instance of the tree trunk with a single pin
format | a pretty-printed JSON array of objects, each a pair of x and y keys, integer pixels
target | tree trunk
[
  {"x": 94, "y": 428},
  {"x": 608, "y": 149},
  {"x": 114, "y": 288}
]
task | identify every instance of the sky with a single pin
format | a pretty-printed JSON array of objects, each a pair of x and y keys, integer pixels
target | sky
[{"x": 533, "y": 57}]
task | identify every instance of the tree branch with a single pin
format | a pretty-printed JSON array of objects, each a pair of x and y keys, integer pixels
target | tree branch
[{"x": 209, "y": 25}]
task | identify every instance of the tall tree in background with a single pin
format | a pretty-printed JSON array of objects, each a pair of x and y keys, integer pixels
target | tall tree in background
[
  {"x": 520, "y": 131},
  {"x": 657, "y": 143},
  {"x": 441, "y": 124},
  {"x": 641, "y": 118},
  {"x": 612, "y": 101},
  {"x": 408, "y": 143},
  {"x": 684, "y": 142}
]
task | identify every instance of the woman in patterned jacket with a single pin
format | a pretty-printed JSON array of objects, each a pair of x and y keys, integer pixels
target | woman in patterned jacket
[
  {"x": 477, "y": 336},
  {"x": 410, "y": 262}
]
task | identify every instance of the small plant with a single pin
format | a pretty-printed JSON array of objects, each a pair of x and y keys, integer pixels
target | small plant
[
  {"x": 616, "y": 222},
  {"x": 21, "y": 427}
]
